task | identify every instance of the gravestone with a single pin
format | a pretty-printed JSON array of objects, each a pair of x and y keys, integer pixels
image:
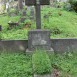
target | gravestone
[
  {"x": 0, "y": 31},
  {"x": 0, "y": 28},
  {"x": 39, "y": 39},
  {"x": 32, "y": 15},
  {"x": 22, "y": 19},
  {"x": 24, "y": 13}
]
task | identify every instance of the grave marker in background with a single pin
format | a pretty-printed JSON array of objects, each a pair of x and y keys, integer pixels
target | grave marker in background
[
  {"x": 32, "y": 13},
  {"x": 0, "y": 28},
  {"x": 0, "y": 31}
]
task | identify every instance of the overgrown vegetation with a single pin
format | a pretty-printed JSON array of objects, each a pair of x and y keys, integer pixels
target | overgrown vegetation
[
  {"x": 21, "y": 65},
  {"x": 41, "y": 62},
  {"x": 66, "y": 64},
  {"x": 61, "y": 23},
  {"x": 15, "y": 65},
  {"x": 73, "y": 4}
]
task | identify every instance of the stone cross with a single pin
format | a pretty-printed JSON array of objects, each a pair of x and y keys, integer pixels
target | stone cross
[
  {"x": 38, "y": 14},
  {"x": 38, "y": 39},
  {"x": 37, "y": 4}
]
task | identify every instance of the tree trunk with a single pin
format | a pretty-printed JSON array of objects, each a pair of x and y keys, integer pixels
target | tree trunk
[{"x": 20, "y": 5}]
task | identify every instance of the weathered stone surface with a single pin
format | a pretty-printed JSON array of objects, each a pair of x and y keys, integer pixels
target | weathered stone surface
[
  {"x": 64, "y": 45},
  {"x": 58, "y": 45},
  {"x": 39, "y": 39},
  {"x": 33, "y": 2},
  {"x": 32, "y": 14},
  {"x": 13, "y": 46},
  {"x": 47, "y": 75},
  {"x": 0, "y": 28}
]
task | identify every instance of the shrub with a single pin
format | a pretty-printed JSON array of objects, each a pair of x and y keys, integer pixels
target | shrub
[
  {"x": 41, "y": 62},
  {"x": 73, "y": 4},
  {"x": 67, "y": 7},
  {"x": 56, "y": 30}
]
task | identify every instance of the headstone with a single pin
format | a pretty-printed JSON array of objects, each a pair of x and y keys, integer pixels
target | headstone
[
  {"x": 32, "y": 15},
  {"x": 24, "y": 13},
  {"x": 7, "y": 6},
  {"x": 22, "y": 19},
  {"x": 39, "y": 39},
  {"x": 0, "y": 28}
]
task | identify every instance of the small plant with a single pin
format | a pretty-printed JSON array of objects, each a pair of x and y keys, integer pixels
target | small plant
[
  {"x": 56, "y": 30},
  {"x": 27, "y": 23},
  {"x": 41, "y": 62},
  {"x": 59, "y": 13}
]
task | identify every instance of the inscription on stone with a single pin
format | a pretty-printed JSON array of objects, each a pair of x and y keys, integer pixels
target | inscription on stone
[{"x": 39, "y": 39}]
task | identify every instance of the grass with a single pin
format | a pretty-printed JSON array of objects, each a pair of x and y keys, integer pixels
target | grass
[
  {"x": 41, "y": 62},
  {"x": 60, "y": 26},
  {"x": 63, "y": 26},
  {"x": 5, "y": 19},
  {"x": 15, "y": 34},
  {"x": 66, "y": 64},
  {"x": 15, "y": 65},
  {"x": 20, "y": 65}
]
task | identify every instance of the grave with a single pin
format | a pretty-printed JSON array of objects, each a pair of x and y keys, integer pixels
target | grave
[
  {"x": 0, "y": 31},
  {"x": 24, "y": 13},
  {"x": 12, "y": 25},
  {"x": 32, "y": 13},
  {"x": 0, "y": 28},
  {"x": 38, "y": 39}
]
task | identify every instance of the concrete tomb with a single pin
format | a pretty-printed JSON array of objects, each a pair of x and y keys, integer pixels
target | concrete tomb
[{"x": 39, "y": 39}]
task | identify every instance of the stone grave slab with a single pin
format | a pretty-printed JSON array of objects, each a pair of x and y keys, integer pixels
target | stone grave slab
[{"x": 39, "y": 39}]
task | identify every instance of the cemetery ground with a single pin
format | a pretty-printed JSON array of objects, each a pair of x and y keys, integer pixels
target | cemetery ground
[
  {"x": 61, "y": 23},
  {"x": 20, "y": 65}
]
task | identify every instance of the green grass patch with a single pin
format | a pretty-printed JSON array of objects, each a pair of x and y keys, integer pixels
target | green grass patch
[
  {"x": 5, "y": 19},
  {"x": 20, "y": 65},
  {"x": 61, "y": 26},
  {"x": 41, "y": 62},
  {"x": 15, "y": 65},
  {"x": 66, "y": 63}
]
